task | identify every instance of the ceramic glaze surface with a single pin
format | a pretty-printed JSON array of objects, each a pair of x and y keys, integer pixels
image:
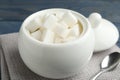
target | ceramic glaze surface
[{"x": 106, "y": 33}]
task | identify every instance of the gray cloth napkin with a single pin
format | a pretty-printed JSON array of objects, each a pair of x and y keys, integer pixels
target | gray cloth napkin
[{"x": 13, "y": 68}]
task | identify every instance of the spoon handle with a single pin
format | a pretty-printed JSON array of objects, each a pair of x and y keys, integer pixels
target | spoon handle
[{"x": 97, "y": 74}]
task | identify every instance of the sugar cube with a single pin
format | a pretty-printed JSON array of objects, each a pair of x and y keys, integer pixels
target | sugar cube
[
  {"x": 69, "y": 39},
  {"x": 74, "y": 31},
  {"x": 58, "y": 39},
  {"x": 50, "y": 22},
  {"x": 36, "y": 34},
  {"x": 39, "y": 21},
  {"x": 48, "y": 36},
  {"x": 34, "y": 24},
  {"x": 61, "y": 30},
  {"x": 59, "y": 15},
  {"x": 69, "y": 18}
]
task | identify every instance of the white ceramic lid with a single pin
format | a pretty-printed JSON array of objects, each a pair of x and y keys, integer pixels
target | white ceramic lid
[{"x": 106, "y": 33}]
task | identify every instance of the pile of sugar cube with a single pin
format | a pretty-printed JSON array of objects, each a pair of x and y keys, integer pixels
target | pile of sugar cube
[{"x": 55, "y": 28}]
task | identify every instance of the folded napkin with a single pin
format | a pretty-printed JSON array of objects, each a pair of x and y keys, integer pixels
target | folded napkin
[{"x": 13, "y": 68}]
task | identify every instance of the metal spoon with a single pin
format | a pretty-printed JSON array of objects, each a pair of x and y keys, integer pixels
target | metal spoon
[{"x": 108, "y": 64}]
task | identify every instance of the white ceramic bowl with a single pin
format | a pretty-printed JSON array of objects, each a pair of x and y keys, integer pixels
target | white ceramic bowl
[{"x": 56, "y": 60}]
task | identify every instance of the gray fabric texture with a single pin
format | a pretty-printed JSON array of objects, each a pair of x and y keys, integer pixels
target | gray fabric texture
[{"x": 13, "y": 68}]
